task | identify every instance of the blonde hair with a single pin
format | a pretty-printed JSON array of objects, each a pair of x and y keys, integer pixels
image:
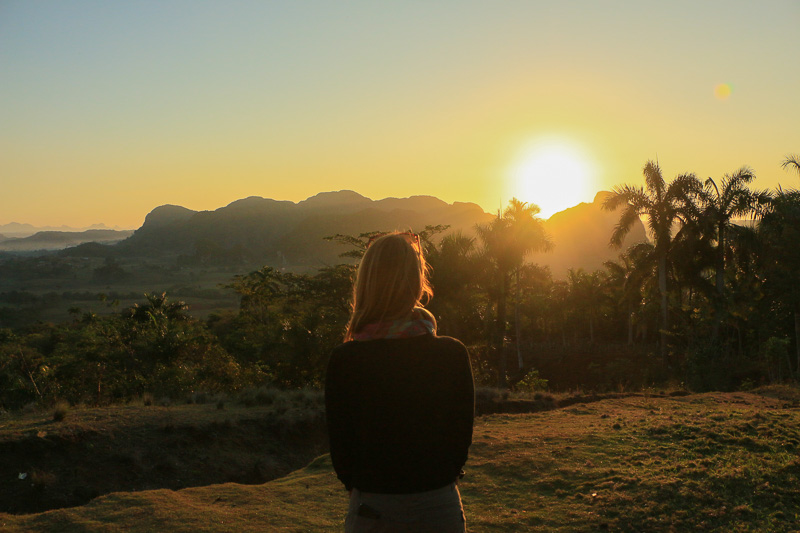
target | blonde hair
[{"x": 391, "y": 283}]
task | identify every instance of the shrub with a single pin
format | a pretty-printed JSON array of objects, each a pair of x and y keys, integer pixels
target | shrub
[
  {"x": 531, "y": 383},
  {"x": 489, "y": 394}
]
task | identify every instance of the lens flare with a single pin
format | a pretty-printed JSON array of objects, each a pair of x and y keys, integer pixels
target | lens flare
[{"x": 723, "y": 91}]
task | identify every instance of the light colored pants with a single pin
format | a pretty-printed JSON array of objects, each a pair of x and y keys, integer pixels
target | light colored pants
[{"x": 435, "y": 511}]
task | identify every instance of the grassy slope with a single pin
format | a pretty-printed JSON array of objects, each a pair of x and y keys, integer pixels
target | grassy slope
[
  {"x": 100, "y": 450},
  {"x": 711, "y": 462}
]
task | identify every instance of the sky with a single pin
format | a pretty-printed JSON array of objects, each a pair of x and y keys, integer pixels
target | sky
[{"x": 110, "y": 109}]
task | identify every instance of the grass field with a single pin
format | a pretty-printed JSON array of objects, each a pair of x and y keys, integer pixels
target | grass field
[{"x": 707, "y": 462}]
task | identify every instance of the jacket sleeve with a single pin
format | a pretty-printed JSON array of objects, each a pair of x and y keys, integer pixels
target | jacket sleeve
[{"x": 339, "y": 419}]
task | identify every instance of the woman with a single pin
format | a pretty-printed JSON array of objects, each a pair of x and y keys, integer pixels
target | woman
[{"x": 399, "y": 399}]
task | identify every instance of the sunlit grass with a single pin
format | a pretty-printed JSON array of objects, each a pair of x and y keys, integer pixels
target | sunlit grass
[{"x": 712, "y": 462}]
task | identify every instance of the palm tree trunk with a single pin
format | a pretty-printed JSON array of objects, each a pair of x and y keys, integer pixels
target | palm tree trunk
[
  {"x": 630, "y": 327},
  {"x": 720, "y": 281},
  {"x": 500, "y": 334},
  {"x": 662, "y": 288},
  {"x": 516, "y": 323}
]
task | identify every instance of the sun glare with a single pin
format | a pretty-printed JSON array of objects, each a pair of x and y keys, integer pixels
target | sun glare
[{"x": 554, "y": 175}]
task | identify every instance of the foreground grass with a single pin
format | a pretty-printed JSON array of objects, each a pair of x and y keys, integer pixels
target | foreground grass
[
  {"x": 711, "y": 462},
  {"x": 49, "y": 462}
]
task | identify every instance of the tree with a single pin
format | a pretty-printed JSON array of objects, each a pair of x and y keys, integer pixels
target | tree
[
  {"x": 664, "y": 205},
  {"x": 506, "y": 240},
  {"x": 628, "y": 278},
  {"x": 455, "y": 272},
  {"x": 257, "y": 290},
  {"x": 721, "y": 205},
  {"x": 780, "y": 233},
  {"x": 587, "y": 295},
  {"x": 530, "y": 237},
  {"x": 792, "y": 162}
]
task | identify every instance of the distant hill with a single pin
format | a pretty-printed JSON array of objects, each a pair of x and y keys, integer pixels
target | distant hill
[
  {"x": 58, "y": 240},
  {"x": 262, "y": 231},
  {"x": 581, "y": 236},
  {"x": 283, "y": 233},
  {"x": 18, "y": 231},
  {"x": 258, "y": 230}
]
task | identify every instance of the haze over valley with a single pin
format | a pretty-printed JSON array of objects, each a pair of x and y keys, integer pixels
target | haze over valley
[{"x": 192, "y": 254}]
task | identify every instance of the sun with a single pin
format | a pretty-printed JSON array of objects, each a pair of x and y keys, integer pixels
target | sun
[{"x": 553, "y": 174}]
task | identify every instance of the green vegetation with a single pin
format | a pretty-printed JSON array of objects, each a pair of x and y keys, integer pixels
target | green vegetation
[
  {"x": 710, "y": 304},
  {"x": 710, "y": 462}
]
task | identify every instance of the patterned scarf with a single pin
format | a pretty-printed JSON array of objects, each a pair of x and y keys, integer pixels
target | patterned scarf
[{"x": 421, "y": 323}]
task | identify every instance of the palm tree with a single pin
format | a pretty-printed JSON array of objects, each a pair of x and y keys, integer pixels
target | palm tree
[
  {"x": 531, "y": 237},
  {"x": 258, "y": 289},
  {"x": 792, "y": 161},
  {"x": 455, "y": 274},
  {"x": 664, "y": 205},
  {"x": 496, "y": 255},
  {"x": 629, "y": 276},
  {"x": 721, "y": 205},
  {"x": 587, "y": 295},
  {"x": 159, "y": 311},
  {"x": 506, "y": 240},
  {"x": 779, "y": 230}
]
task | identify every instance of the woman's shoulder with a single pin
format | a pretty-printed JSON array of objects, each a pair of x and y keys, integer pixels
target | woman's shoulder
[
  {"x": 451, "y": 342},
  {"x": 438, "y": 341}
]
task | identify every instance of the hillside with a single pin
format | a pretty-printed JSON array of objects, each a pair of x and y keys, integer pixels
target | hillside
[
  {"x": 581, "y": 235},
  {"x": 711, "y": 462},
  {"x": 286, "y": 234},
  {"x": 256, "y": 231}
]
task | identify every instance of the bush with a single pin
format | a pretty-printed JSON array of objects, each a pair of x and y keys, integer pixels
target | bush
[
  {"x": 489, "y": 394},
  {"x": 531, "y": 383}
]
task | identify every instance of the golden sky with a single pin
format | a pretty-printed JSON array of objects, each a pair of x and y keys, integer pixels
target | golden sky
[{"x": 109, "y": 109}]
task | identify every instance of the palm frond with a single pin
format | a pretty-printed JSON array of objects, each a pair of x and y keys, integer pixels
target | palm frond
[
  {"x": 653, "y": 178},
  {"x": 627, "y": 219},
  {"x": 792, "y": 161}
]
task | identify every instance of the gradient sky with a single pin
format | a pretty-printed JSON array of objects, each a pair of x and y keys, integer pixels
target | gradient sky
[{"x": 109, "y": 109}]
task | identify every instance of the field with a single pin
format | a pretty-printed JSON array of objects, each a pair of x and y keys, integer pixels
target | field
[
  {"x": 706, "y": 462},
  {"x": 46, "y": 288}
]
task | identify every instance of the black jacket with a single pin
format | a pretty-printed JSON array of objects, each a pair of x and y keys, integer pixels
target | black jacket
[{"x": 400, "y": 413}]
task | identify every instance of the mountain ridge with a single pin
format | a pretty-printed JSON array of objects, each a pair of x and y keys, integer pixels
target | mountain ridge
[{"x": 262, "y": 231}]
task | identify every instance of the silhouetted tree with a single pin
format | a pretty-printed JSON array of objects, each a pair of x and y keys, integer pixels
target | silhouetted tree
[
  {"x": 792, "y": 162},
  {"x": 587, "y": 296},
  {"x": 780, "y": 257},
  {"x": 506, "y": 241},
  {"x": 720, "y": 206},
  {"x": 664, "y": 205}
]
